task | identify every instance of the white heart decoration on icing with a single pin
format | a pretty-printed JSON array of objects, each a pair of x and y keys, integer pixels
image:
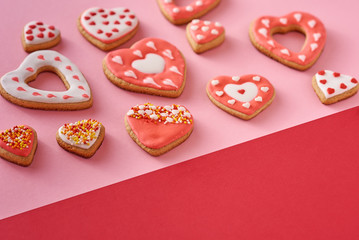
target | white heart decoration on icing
[
  {"x": 250, "y": 93},
  {"x": 265, "y": 22},
  {"x": 152, "y": 63}
]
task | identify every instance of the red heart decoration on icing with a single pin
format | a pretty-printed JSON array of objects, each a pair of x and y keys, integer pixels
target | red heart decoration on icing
[
  {"x": 158, "y": 129},
  {"x": 35, "y": 36},
  {"x": 151, "y": 66},
  {"x": 243, "y": 97}
]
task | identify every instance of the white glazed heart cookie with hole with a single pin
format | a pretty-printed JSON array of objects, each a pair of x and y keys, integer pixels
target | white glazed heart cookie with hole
[
  {"x": 14, "y": 85},
  {"x": 108, "y": 28},
  {"x": 261, "y": 35}
]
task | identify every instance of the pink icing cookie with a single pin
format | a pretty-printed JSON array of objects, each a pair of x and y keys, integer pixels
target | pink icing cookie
[
  {"x": 14, "y": 85},
  {"x": 151, "y": 66},
  {"x": 158, "y": 129},
  {"x": 204, "y": 35},
  {"x": 332, "y": 86},
  {"x": 244, "y": 97},
  {"x": 261, "y": 34},
  {"x": 184, "y": 14},
  {"x": 108, "y": 28},
  {"x": 38, "y": 35}
]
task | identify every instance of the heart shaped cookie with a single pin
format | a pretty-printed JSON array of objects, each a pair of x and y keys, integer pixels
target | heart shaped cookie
[
  {"x": 151, "y": 66},
  {"x": 204, "y": 35},
  {"x": 18, "y": 145},
  {"x": 14, "y": 85},
  {"x": 244, "y": 97},
  {"x": 158, "y": 129},
  {"x": 184, "y": 14},
  {"x": 108, "y": 28},
  {"x": 261, "y": 35},
  {"x": 82, "y": 137},
  {"x": 38, "y": 35},
  {"x": 332, "y": 87}
]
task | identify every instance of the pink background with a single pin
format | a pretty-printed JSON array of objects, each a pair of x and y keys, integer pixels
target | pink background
[{"x": 56, "y": 174}]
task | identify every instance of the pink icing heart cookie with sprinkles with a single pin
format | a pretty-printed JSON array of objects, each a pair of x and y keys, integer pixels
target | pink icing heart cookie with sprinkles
[
  {"x": 184, "y": 14},
  {"x": 151, "y": 66},
  {"x": 204, "y": 35},
  {"x": 38, "y": 35},
  {"x": 108, "y": 28},
  {"x": 18, "y": 145},
  {"x": 158, "y": 129},
  {"x": 261, "y": 35},
  {"x": 332, "y": 87},
  {"x": 14, "y": 85},
  {"x": 82, "y": 137},
  {"x": 244, "y": 97}
]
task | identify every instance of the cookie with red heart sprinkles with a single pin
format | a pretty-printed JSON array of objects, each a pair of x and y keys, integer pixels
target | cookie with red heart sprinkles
[
  {"x": 18, "y": 145},
  {"x": 108, "y": 28},
  {"x": 332, "y": 87}
]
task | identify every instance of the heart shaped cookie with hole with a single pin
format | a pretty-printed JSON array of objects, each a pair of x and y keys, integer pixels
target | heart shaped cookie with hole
[
  {"x": 332, "y": 87},
  {"x": 204, "y": 35},
  {"x": 158, "y": 129},
  {"x": 108, "y": 28},
  {"x": 18, "y": 145},
  {"x": 261, "y": 35},
  {"x": 184, "y": 14},
  {"x": 38, "y": 35},
  {"x": 14, "y": 85},
  {"x": 151, "y": 66},
  {"x": 244, "y": 97},
  {"x": 82, "y": 137}
]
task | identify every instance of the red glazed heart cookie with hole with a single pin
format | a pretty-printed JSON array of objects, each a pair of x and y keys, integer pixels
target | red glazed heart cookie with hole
[
  {"x": 14, "y": 85},
  {"x": 158, "y": 129},
  {"x": 108, "y": 28},
  {"x": 204, "y": 35},
  {"x": 261, "y": 34},
  {"x": 244, "y": 97},
  {"x": 151, "y": 66},
  {"x": 184, "y": 14},
  {"x": 18, "y": 145},
  {"x": 82, "y": 137},
  {"x": 38, "y": 35},
  {"x": 332, "y": 87}
]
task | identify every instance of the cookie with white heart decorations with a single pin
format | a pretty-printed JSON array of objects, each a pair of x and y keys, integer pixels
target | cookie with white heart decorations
[
  {"x": 18, "y": 145},
  {"x": 177, "y": 14},
  {"x": 37, "y": 35},
  {"x": 151, "y": 66},
  {"x": 204, "y": 35},
  {"x": 261, "y": 33},
  {"x": 108, "y": 28},
  {"x": 14, "y": 85},
  {"x": 244, "y": 97},
  {"x": 332, "y": 87},
  {"x": 82, "y": 137},
  {"x": 158, "y": 129}
]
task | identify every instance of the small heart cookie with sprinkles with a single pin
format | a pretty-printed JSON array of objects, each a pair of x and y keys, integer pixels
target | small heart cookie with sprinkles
[
  {"x": 184, "y": 14},
  {"x": 38, "y": 35},
  {"x": 82, "y": 137},
  {"x": 158, "y": 129},
  {"x": 332, "y": 87},
  {"x": 204, "y": 35},
  {"x": 151, "y": 66},
  {"x": 14, "y": 85},
  {"x": 108, "y": 28},
  {"x": 261, "y": 33},
  {"x": 244, "y": 97},
  {"x": 18, "y": 145}
]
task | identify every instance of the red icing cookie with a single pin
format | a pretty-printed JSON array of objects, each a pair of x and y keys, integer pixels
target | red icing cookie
[
  {"x": 151, "y": 66},
  {"x": 183, "y": 14},
  {"x": 18, "y": 145},
  {"x": 158, "y": 129},
  {"x": 244, "y": 97},
  {"x": 204, "y": 35},
  {"x": 108, "y": 28},
  {"x": 263, "y": 28}
]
